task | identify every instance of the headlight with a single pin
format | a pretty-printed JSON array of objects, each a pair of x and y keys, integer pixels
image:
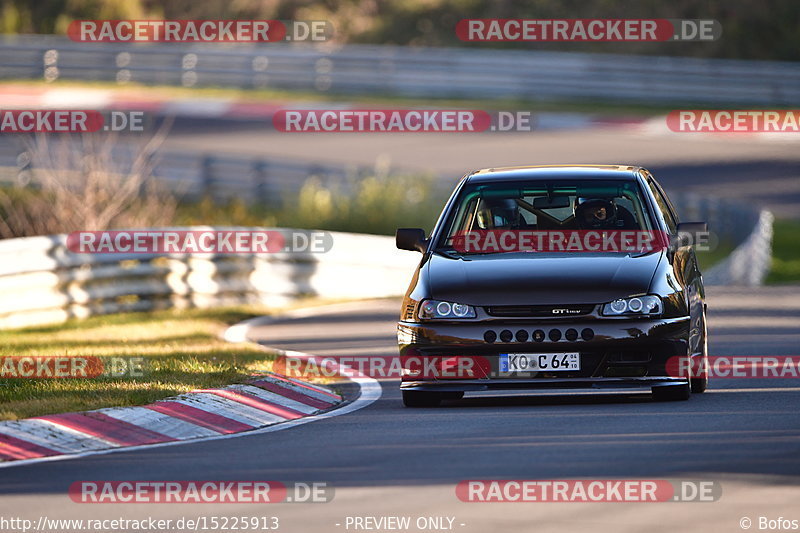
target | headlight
[
  {"x": 433, "y": 309},
  {"x": 640, "y": 305}
]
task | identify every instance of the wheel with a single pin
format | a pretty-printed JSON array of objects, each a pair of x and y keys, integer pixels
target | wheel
[
  {"x": 672, "y": 393},
  {"x": 413, "y": 398},
  {"x": 700, "y": 384}
]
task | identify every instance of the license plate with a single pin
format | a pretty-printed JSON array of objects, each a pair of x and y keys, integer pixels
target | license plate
[{"x": 539, "y": 362}]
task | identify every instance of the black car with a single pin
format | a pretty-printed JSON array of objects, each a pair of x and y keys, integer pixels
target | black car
[{"x": 554, "y": 277}]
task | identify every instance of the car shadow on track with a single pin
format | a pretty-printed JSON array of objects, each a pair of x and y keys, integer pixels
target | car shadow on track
[{"x": 549, "y": 399}]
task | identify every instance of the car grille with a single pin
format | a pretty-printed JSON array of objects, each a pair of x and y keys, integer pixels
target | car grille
[
  {"x": 408, "y": 312},
  {"x": 539, "y": 310}
]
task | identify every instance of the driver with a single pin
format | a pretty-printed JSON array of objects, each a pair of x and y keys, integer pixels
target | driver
[
  {"x": 499, "y": 213},
  {"x": 596, "y": 213}
]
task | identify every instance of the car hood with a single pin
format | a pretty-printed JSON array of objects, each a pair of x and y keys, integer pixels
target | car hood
[{"x": 517, "y": 279}]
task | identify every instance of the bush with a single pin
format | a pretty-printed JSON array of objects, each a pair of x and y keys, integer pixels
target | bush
[
  {"x": 89, "y": 199},
  {"x": 376, "y": 205},
  {"x": 85, "y": 184}
]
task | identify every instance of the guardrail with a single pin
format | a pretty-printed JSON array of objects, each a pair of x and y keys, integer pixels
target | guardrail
[
  {"x": 408, "y": 71},
  {"x": 732, "y": 222},
  {"x": 193, "y": 175},
  {"x": 42, "y": 282},
  {"x": 750, "y": 262}
]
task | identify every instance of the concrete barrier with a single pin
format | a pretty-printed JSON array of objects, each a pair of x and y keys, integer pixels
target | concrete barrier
[
  {"x": 42, "y": 282},
  {"x": 733, "y": 222}
]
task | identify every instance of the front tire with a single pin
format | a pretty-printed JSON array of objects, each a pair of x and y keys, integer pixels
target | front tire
[
  {"x": 700, "y": 384},
  {"x": 672, "y": 393}
]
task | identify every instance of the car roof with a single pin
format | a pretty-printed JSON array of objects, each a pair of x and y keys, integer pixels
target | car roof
[{"x": 554, "y": 172}]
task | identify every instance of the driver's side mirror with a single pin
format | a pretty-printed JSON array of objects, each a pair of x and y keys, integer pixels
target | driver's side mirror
[
  {"x": 412, "y": 239},
  {"x": 689, "y": 233}
]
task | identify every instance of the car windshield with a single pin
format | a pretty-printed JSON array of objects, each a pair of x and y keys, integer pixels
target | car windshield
[{"x": 550, "y": 216}]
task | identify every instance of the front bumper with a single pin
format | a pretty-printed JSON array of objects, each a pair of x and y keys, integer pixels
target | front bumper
[
  {"x": 614, "y": 353},
  {"x": 466, "y": 385}
]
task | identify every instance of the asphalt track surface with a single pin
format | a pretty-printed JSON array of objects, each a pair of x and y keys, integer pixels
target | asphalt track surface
[{"x": 385, "y": 459}]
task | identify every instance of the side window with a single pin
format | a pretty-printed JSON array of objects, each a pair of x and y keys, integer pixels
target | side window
[
  {"x": 663, "y": 206},
  {"x": 670, "y": 207}
]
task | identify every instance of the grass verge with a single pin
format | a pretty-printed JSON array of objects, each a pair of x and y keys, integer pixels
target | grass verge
[
  {"x": 707, "y": 259},
  {"x": 182, "y": 352},
  {"x": 785, "y": 252}
]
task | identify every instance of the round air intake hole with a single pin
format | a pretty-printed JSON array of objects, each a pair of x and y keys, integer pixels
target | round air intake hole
[
  {"x": 587, "y": 334},
  {"x": 490, "y": 336},
  {"x": 571, "y": 334},
  {"x": 538, "y": 335},
  {"x": 521, "y": 335},
  {"x": 555, "y": 335},
  {"x": 506, "y": 335}
]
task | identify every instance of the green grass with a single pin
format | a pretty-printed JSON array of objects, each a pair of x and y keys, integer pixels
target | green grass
[
  {"x": 182, "y": 349},
  {"x": 785, "y": 252},
  {"x": 707, "y": 259}
]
